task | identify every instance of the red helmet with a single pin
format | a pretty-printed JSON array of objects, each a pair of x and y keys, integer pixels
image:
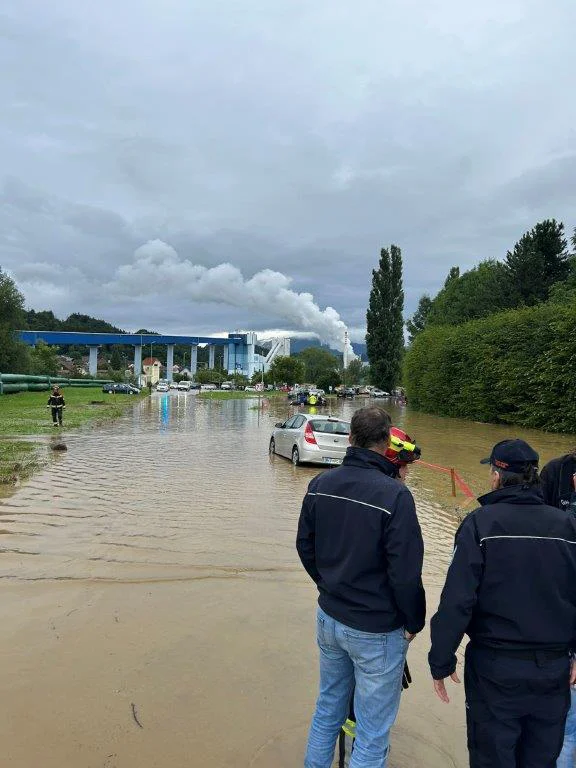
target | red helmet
[{"x": 401, "y": 449}]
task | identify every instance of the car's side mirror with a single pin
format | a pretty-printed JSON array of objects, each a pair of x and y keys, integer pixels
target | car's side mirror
[{"x": 279, "y": 425}]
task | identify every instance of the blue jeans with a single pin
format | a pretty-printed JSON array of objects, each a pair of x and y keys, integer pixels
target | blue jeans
[
  {"x": 567, "y": 757},
  {"x": 374, "y": 663}
]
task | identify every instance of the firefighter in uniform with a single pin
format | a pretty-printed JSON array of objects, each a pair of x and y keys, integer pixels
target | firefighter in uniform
[
  {"x": 56, "y": 404},
  {"x": 511, "y": 587}
]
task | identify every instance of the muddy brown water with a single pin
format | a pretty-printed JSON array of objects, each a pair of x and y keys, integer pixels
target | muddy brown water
[{"x": 155, "y": 614}]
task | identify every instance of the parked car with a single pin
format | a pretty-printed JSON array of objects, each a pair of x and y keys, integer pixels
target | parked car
[
  {"x": 120, "y": 389},
  {"x": 250, "y": 389},
  {"x": 184, "y": 386},
  {"x": 226, "y": 385},
  {"x": 162, "y": 386},
  {"x": 194, "y": 385},
  {"x": 208, "y": 387},
  {"x": 308, "y": 438},
  {"x": 173, "y": 385},
  {"x": 348, "y": 392},
  {"x": 379, "y": 393}
]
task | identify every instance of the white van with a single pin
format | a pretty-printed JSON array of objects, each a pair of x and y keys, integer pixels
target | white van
[{"x": 184, "y": 386}]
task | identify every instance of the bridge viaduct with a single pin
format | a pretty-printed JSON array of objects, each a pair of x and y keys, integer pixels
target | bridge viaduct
[{"x": 239, "y": 348}]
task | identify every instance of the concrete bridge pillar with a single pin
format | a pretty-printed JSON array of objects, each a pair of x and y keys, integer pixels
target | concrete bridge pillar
[
  {"x": 231, "y": 358},
  {"x": 170, "y": 362},
  {"x": 137, "y": 360},
  {"x": 211, "y": 356},
  {"x": 93, "y": 361},
  {"x": 194, "y": 359}
]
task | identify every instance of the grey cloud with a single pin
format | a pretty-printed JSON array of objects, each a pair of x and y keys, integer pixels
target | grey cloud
[{"x": 291, "y": 135}]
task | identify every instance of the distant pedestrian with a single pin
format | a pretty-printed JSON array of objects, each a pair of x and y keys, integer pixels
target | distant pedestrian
[
  {"x": 511, "y": 587},
  {"x": 56, "y": 404},
  {"x": 360, "y": 541},
  {"x": 558, "y": 479}
]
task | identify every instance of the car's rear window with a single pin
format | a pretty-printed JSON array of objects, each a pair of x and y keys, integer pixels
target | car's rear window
[{"x": 331, "y": 427}]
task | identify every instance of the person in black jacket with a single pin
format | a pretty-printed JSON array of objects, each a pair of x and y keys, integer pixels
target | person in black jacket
[
  {"x": 56, "y": 404},
  {"x": 558, "y": 481},
  {"x": 360, "y": 541},
  {"x": 511, "y": 587}
]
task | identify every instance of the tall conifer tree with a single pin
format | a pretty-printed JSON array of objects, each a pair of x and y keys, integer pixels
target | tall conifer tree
[{"x": 384, "y": 321}]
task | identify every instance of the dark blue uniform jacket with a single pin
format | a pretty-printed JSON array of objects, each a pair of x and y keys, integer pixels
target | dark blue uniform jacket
[
  {"x": 512, "y": 581},
  {"x": 360, "y": 541}
]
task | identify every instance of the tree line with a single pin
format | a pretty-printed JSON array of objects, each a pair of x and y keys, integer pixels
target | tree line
[{"x": 497, "y": 342}]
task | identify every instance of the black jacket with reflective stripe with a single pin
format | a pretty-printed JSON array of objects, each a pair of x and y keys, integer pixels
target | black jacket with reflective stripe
[
  {"x": 512, "y": 580},
  {"x": 360, "y": 541},
  {"x": 557, "y": 482}
]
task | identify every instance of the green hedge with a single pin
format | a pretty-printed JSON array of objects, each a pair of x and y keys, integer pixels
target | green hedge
[{"x": 516, "y": 367}]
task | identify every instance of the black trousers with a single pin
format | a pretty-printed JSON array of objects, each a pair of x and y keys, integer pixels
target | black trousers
[
  {"x": 57, "y": 415},
  {"x": 515, "y": 708}
]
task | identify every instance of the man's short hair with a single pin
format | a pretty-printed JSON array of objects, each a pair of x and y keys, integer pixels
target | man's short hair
[{"x": 370, "y": 426}]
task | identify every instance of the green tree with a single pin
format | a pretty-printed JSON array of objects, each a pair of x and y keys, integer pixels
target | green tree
[
  {"x": 44, "y": 360},
  {"x": 318, "y": 362},
  {"x": 417, "y": 322},
  {"x": 210, "y": 376},
  {"x": 357, "y": 372},
  {"x": 329, "y": 379},
  {"x": 480, "y": 292},
  {"x": 384, "y": 321},
  {"x": 239, "y": 380},
  {"x": 539, "y": 259},
  {"x": 117, "y": 362},
  {"x": 287, "y": 370},
  {"x": 13, "y": 354}
]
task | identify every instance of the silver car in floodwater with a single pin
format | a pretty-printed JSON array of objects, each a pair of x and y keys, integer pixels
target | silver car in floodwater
[{"x": 308, "y": 438}]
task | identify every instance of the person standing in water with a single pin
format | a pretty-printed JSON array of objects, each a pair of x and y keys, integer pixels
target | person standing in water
[
  {"x": 56, "y": 404},
  {"x": 558, "y": 481},
  {"x": 360, "y": 541},
  {"x": 511, "y": 587}
]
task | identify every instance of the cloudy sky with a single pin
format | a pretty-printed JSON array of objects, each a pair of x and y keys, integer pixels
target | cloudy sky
[{"x": 295, "y": 136}]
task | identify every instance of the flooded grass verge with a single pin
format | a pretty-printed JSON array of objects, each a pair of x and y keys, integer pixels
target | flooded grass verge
[{"x": 25, "y": 413}]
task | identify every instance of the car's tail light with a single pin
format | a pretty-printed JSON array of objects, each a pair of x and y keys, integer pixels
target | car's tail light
[{"x": 309, "y": 434}]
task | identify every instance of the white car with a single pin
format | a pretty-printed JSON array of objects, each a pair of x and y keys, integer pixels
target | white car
[
  {"x": 308, "y": 438},
  {"x": 162, "y": 386},
  {"x": 173, "y": 385},
  {"x": 379, "y": 393},
  {"x": 184, "y": 386},
  {"x": 208, "y": 387},
  {"x": 227, "y": 386}
]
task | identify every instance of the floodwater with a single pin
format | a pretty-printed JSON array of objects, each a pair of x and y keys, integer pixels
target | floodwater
[{"x": 155, "y": 614}]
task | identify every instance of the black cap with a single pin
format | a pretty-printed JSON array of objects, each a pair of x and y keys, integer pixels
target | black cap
[{"x": 512, "y": 456}]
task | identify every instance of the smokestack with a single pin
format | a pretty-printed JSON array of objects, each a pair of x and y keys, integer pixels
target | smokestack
[{"x": 346, "y": 349}]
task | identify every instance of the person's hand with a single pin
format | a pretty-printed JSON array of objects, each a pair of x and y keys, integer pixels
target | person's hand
[
  {"x": 573, "y": 672},
  {"x": 408, "y": 636},
  {"x": 440, "y": 688}
]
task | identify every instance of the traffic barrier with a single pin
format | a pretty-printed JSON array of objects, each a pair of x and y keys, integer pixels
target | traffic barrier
[{"x": 455, "y": 478}]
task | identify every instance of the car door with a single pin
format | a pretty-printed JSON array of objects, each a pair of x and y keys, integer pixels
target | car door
[
  {"x": 281, "y": 439},
  {"x": 293, "y": 434}
]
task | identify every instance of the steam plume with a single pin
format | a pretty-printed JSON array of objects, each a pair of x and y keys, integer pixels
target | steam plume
[{"x": 158, "y": 269}]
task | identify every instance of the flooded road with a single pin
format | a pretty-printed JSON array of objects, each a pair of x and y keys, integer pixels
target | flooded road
[{"x": 155, "y": 612}]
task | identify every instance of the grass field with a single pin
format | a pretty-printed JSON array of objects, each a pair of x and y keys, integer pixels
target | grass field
[{"x": 25, "y": 413}]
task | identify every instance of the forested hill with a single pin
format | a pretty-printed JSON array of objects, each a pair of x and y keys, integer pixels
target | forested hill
[{"x": 47, "y": 321}]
